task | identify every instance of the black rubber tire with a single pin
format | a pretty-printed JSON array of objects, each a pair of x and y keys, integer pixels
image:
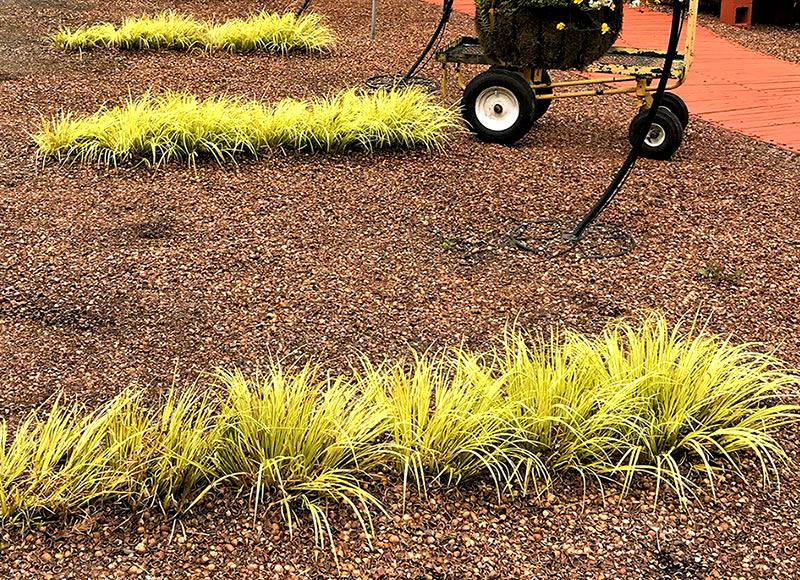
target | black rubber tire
[
  {"x": 539, "y": 106},
  {"x": 678, "y": 107},
  {"x": 508, "y": 81},
  {"x": 672, "y": 133}
]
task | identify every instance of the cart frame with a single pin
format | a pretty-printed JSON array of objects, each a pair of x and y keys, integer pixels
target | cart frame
[{"x": 629, "y": 66}]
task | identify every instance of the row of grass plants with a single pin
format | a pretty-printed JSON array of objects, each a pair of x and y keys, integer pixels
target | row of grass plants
[
  {"x": 642, "y": 400},
  {"x": 267, "y": 32},
  {"x": 178, "y": 126}
]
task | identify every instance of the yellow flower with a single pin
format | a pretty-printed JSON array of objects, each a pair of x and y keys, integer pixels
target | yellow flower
[
  {"x": 613, "y": 6},
  {"x": 578, "y": 1},
  {"x": 605, "y": 28},
  {"x": 561, "y": 26}
]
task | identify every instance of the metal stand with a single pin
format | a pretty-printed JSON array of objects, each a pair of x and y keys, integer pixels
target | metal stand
[{"x": 372, "y": 22}]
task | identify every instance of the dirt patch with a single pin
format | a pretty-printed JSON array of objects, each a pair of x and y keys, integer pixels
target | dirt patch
[{"x": 79, "y": 315}]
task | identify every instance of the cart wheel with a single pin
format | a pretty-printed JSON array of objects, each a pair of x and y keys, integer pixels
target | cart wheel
[
  {"x": 678, "y": 107},
  {"x": 497, "y": 106},
  {"x": 539, "y": 107},
  {"x": 664, "y": 136}
]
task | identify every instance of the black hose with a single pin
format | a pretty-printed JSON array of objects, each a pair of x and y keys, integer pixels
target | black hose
[
  {"x": 616, "y": 184},
  {"x": 447, "y": 10},
  {"x": 302, "y": 9},
  {"x": 411, "y": 78}
]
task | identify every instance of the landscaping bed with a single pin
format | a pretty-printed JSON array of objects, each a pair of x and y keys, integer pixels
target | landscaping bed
[
  {"x": 774, "y": 40},
  {"x": 113, "y": 277}
]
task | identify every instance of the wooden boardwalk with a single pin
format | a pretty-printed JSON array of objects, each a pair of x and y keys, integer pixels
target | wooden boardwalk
[{"x": 728, "y": 85}]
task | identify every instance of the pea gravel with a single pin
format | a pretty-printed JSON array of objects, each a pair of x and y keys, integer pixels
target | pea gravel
[{"x": 110, "y": 277}]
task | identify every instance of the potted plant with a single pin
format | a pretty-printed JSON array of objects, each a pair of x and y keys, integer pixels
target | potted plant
[{"x": 548, "y": 34}]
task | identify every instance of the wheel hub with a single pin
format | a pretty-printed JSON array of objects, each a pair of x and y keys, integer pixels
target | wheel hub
[
  {"x": 497, "y": 109},
  {"x": 655, "y": 136}
]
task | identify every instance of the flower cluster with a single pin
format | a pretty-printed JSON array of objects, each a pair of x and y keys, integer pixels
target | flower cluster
[
  {"x": 604, "y": 29},
  {"x": 597, "y": 5},
  {"x": 584, "y": 4}
]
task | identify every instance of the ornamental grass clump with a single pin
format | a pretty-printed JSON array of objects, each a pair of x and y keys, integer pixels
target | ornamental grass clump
[
  {"x": 697, "y": 400},
  {"x": 279, "y": 33},
  {"x": 301, "y": 441},
  {"x": 181, "y": 127},
  {"x": 565, "y": 410},
  {"x": 62, "y": 462},
  {"x": 642, "y": 400},
  {"x": 548, "y": 34},
  {"x": 647, "y": 399},
  {"x": 178, "y": 450},
  {"x": 450, "y": 419}
]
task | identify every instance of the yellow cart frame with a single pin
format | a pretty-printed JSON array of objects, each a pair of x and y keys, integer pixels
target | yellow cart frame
[{"x": 635, "y": 68}]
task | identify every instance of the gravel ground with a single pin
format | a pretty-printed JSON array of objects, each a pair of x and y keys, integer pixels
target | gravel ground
[
  {"x": 110, "y": 277},
  {"x": 743, "y": 534},
  {"x": 779, "y": 41}
]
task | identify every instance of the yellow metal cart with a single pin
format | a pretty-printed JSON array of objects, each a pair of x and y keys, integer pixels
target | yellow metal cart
[{"x": 502, "y": 104}]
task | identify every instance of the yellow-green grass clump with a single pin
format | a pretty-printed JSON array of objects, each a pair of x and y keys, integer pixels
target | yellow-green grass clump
[
  {"x": 280, "y": 33},
  {"x": 182, "y": 127},
  {"x": 641, "y": 400},
  {"x": 648, "y": 399}
]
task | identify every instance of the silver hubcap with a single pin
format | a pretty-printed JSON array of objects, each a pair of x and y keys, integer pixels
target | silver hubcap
[
  {"x": 655, "y": 136},
  {"x": 497, "y": 109}
]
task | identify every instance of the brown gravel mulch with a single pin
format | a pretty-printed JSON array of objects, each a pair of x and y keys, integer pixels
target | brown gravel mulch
[
  {"x": 779, "y": 41},
  {"x": 110, "y": 277},
  {"x": 745, "y": 533}
]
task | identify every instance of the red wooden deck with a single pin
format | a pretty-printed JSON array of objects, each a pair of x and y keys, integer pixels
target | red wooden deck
[{"x": 728, "y": 85}]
